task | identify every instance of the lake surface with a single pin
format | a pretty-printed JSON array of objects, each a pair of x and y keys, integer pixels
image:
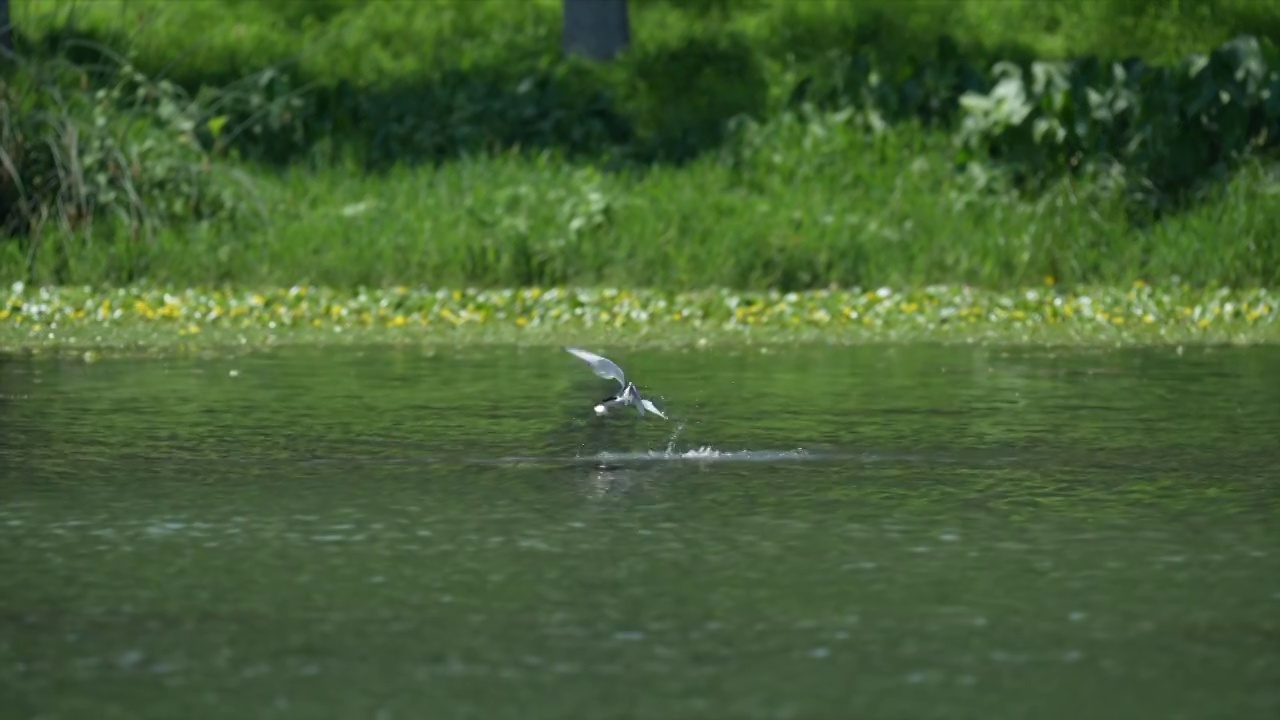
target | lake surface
[{"x": 874, "y": 532}]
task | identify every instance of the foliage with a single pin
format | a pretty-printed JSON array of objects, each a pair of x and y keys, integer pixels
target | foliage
[
  {"x": 120, "y": 159},
  {"x": 70, "y": 317},
  {"x": 1167, "y": 128},
  {"x": 739, "y": 143},
  {"x": 803, "y": 201},
  {"x": 334, "y": 79}
]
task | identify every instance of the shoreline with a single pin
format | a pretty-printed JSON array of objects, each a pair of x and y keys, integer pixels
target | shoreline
[{"x": 151, "y": 320}]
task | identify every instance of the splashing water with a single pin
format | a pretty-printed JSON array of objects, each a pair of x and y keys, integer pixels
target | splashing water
[
  {"x": 702, "y": 452},
  {"x": 671, "y": 442},
  {"x": 706, "y": 452}
]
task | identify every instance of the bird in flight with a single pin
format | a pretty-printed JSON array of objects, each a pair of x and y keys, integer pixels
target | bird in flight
[{"x": 627, "y": 395}]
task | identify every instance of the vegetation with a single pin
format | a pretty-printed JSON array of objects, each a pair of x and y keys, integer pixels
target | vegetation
[
  {"x": 739, "y": 144},
  {"x": 78, "y": 318}
]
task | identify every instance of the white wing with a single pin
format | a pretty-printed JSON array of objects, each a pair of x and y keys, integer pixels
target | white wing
[
  {"x": 601, "y": 366},
  {"x": 648, "y": 405}
]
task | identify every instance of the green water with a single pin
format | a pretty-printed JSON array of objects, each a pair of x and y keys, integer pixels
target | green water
[{"x": 916, "y": 532}]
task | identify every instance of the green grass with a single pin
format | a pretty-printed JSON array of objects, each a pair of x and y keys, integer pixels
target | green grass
[
  {"x": 807, "y": 206},
  {"x": 492, "y": 198}
]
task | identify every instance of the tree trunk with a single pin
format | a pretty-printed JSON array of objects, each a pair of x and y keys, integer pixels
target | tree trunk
[
  {"x": 598, "y": 29},
  {"x": 6, "y": 33}
]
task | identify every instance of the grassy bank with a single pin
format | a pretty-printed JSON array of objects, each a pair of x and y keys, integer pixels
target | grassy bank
[
  {"x": 84, "y": 319},
  {"x": 749, "y": 145},
  {"x": 892, "y": 214}
]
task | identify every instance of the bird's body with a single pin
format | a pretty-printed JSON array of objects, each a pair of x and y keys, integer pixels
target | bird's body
[{"x": 629, "y": 394}]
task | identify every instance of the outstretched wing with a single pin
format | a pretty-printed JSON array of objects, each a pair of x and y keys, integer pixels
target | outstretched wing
[
  {"x": 648, "y": 405},
  {"x": 601, "y": 366}
]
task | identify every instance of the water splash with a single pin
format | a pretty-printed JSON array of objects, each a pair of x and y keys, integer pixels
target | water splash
[
  {"x": 706, "y": 453},
  {"x": 671, "y": 442}
]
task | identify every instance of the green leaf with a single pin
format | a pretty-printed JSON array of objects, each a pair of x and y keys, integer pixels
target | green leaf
[{"x": 216, "y": 124}]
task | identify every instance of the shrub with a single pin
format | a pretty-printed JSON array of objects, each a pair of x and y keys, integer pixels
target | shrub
[
  {"x": 1168, "y": 129},
  {"x": 121, "y": 159}
]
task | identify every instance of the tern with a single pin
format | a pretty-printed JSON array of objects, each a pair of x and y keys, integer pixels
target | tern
[{"x": 628, "y": 395}]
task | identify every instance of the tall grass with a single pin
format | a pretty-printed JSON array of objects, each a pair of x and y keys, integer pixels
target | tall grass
[
  {"x": 817, "y": 202},
  {"x": 742, "y": 143}
]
